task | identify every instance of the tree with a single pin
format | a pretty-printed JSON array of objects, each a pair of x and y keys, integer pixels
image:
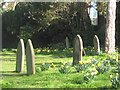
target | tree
[{"x": 110, "y": 27}]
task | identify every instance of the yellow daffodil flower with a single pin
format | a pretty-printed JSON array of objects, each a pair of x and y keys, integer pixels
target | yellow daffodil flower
[
  {"x": 98, "y": 64},
  {"x": 96, "y": 71},
  {"x": 67, "y": 66},
  {"x": 62, "y": 65},
  {"x": 80, "y": 62},
  {"x": 82, "y": 72},
  {"x": 92, "y": 73},
  {"x": 87, "y": 74},
  {"x": 53, "y": 66},
  {"x": 43, "y": 63},
  {"x": 93, "y": 65},
  {"x": 111, "y": 76},
  {"x": 117, "y": 74}
]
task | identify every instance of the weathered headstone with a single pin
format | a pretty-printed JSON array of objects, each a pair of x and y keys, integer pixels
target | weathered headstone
[
  {"x": 96, "y": 45},
  {"x": 77, "y": 50},
  {"x": 67, "y": 43},
  {"x": 20, "y": 56},
  {"x": 30, "y": 58}
]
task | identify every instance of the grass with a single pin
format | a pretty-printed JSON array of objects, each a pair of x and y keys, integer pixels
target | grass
[{"x": 51, "y": 78}]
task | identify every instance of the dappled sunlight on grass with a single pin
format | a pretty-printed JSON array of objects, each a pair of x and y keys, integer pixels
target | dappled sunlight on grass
[{"x": 52, "y": 77}]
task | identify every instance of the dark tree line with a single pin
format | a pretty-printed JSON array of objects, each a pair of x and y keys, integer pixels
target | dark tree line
[{"x": 49, "y": 23}]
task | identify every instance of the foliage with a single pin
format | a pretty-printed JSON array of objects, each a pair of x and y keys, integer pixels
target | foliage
[
  {"x": 45, "y": 66},
  {"x": 88, "y": 78},
  {"x": 65, "y": 67},
  {"x": 115, "y": 81},
  {"x": 81, "y": 66},
  {"x": 47, "y": 20},
  {"x": 90, "y": 74}
]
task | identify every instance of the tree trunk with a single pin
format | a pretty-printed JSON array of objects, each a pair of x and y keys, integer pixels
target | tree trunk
[{"x": 110, "y": 27}]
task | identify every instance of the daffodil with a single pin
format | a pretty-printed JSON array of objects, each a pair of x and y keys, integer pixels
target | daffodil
[
  {"x": 63, "y": 49},
  {"x": 48, "y": 51},
  {"x": 110, "y": 56},
  {"x": 111, "y": 76},
  {"x": 80, "y": 62},
  {"x": 113, "y": 53},
  {"x": 55, "y": 50},
  {"x": 93, "y": 65},
  {"x": 44, "y": 50},
  {"x": 92, "y": 73},
  {"x": 119, "y": 56},
  {"x": 116, "y": 60},
  {"x": 53, "y": 66},
  {"x": 82, "y": 72},
  {"x": 90, "y": 69},
  {"x": 43, "y": 63},
  {"x": 90, "y": 57},
  {"x": 84, "y": 62},
  {"x": 96, "y": 71},
  {"x": 117, "y": 74},
  {"x": 114, "y": 57},
  {"x": 98, "y": 64},
  {"x": 85, "y": 48},
  {"x": 67, "y": 66},
  {"x": 62, "y": 65},
  {"x": 87, "y": 74}
]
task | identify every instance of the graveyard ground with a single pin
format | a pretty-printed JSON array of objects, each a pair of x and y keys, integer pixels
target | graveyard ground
[{"x": 51, "y": 78}]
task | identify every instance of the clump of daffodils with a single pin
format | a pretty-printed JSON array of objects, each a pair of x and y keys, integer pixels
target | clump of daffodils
[{"x": 65, "y": 67}]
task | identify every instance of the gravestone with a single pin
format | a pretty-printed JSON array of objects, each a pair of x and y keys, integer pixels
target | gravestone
[
  {"x": 96, "y": 45},
  {"x": 30, "y": 58},
  {"x": 67, "y": 43},
  {"x": 77, "y": 50},
  {"x": 20, "y": 56}
]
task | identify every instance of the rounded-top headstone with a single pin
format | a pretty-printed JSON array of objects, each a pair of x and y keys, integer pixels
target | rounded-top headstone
[
  {"x": 30, "y": 58},
  {"x": 77, "y": 50},
  {"x": 67, "y": 43},
  {"x": 20, "y": 56},
  {"x": 96, "y": 45}
]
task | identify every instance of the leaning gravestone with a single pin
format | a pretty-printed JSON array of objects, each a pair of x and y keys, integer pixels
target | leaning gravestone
[
  {"x": 20, "y": 56},
  {"x": 30, "y": 58},
  {"x": 77, "y": 50},
  {"x": 67, "y": 43},
  {"x": 96, "y": 45}
]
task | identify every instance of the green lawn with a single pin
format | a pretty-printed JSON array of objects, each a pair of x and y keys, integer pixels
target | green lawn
[{"x": 51, "y": 78}]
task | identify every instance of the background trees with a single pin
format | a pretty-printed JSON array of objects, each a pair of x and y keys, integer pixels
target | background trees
[
  {"x": 49, "y": 23},
  {"x": 110, "y": 27}
]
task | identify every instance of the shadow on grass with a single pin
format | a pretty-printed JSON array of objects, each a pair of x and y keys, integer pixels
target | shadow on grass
[
  {"x": 7, "y": 54},
  {"x": 106, "y": 87},
  {"x": 11, "y": 73},
  {"x": 9, "y": 59}
]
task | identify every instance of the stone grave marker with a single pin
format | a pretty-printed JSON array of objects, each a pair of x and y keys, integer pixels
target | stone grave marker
[
  {"x": 20, "y": 56},
  {"x": 96, "y": 45},
  {"x": 67, "y": 43},
  {"x": 77, "y": 50},
  {"x": 30, "y": 58}
]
